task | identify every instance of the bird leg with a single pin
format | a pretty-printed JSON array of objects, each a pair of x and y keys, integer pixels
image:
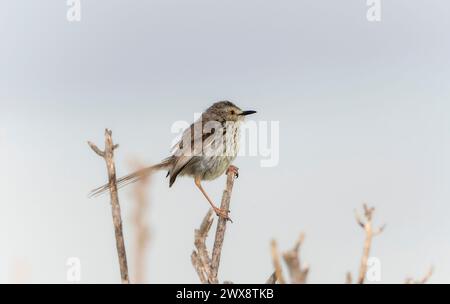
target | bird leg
[
  {"x": 234, "y": 170},
  {"x": 219, "y": 212}
]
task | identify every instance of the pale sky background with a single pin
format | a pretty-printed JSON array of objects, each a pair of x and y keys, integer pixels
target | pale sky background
[{"x": 363, "y": 111}]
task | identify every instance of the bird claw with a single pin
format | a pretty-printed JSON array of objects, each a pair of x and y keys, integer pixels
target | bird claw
[
  {"x": 223, "y": 214},
  {"x": 234, "y": 170}
]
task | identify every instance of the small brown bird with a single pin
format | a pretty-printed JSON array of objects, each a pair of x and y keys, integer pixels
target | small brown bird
[{"x": 205, "y": 151}]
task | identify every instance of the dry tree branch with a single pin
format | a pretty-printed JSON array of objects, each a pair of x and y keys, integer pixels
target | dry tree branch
[
  {"x": 221, "y": 227},
  {"x": 422, "y": 280},
  {"x": 297, "y": 272},
  {"x": 200, "y": 258},
  {"x": 277, "y": 262},
  {"x": 108, "y": 156},
  {"x": 366, "y": 224},
  {"x": 207, "y": 268},
  {"x": 199, "y": 267}
]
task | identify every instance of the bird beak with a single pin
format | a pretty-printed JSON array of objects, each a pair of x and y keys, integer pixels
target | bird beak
[{"x": 244, "y": 113}]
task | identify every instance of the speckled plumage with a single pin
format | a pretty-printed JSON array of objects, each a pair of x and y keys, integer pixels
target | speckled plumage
[{"x": 212, "y": 150}]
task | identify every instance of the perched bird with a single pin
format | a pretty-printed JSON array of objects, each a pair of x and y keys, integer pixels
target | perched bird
[{"x": 205, "y": 151}]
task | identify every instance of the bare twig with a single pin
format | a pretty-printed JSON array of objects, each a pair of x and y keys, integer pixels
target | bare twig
[
  {"x": 277, "y": 262},
  {"x": 199, "y": 267},
  {"x": 297, "y": 271},
  {"x": 422, "y": 280},
  {"x": 200, "y": 258},
  {"x": 220, "y": 231},
  {"x": 96, "y": 149},
  {"x": 370, "y": 233},
  {"x": 108, "y": 156}
]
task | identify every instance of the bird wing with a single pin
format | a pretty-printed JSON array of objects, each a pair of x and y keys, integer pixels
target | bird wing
[{"x": 199, "y": 140}]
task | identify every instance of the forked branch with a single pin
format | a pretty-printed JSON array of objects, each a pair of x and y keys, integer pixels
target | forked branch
[
  {"x": 366, "y": 224},
  {"x": 297, "y": 271},
  {"x": 108, "y": 156},
  {"x": 207, "y": 268}
]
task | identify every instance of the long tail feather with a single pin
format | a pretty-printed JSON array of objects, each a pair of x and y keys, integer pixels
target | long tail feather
[{"x": 130, "y": 178}]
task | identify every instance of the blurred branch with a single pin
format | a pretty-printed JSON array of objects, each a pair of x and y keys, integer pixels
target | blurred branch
[
  {"x": 140, "y": 221},
  {"x": 297, "y": 272},
  {"x": 348, "y": 278},
  {"x": 108, "y": 156},
  {"x": 422, "y": 280},
  {"x": 366, "y": 224},
  {"x": 277, "y": 262}
]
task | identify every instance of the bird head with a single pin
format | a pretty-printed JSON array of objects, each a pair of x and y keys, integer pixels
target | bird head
[{"x": 228, "y": 111}]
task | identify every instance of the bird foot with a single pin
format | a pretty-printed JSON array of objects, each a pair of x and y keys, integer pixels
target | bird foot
[
  {"x": 234, "y": 170},
  {"x": 223, "y": 214}
]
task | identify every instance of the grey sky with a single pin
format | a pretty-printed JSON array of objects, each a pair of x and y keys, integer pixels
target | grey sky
[{"x": 363, "y": 111}]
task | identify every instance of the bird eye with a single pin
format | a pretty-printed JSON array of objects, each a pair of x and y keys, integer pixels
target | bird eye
[{"x": 233, "y": 112}]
